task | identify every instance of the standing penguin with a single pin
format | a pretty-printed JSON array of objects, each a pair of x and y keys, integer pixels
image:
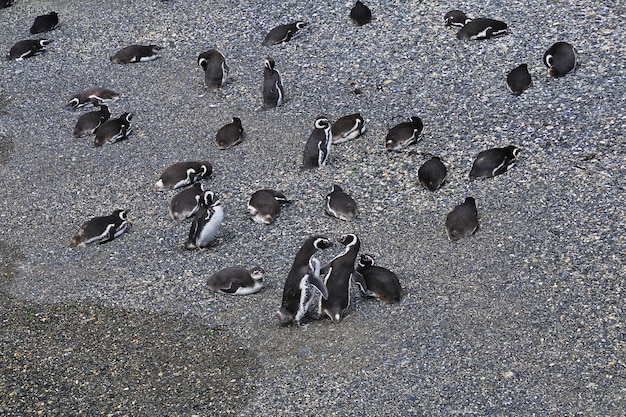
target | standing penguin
[
  {"x": 560, "y": 59},
  {"x": 237, "y": 280},
  {"x": 492, "y": 162},
  {"x": 518, "y": 79},
  {"x": 93, "y": 97},
  {"x": 376, "y": 281},
  {"x": 404, "y": 134},
  {"x": 462, "y": 221},
  {"x": 283, "y": 33},
  {"x": 187, "y": 202},
  {"x": 206, "y": 223},
  {"x": 101, "y": 229},
  {"x": 340, "y": 205},
  {"x": 338, "y": 279},
  {"x": 136, "y": 53},
  {"x": 303, "y": 281},
  {"x": 432, "y": 173},
  {"x": 317, "y": 148},
  {"x": 45, "y": 23},
  {"x": 230, "y": 134},
  {"x": 482, "y": 28},
  {"x": 28, "y": 48},
  {"x": 114, "y": 130},
  {"x": 215, "y": 69},
  {"x": 347, "y": 128},
  {"x": 264, "y": 205},
  {"x": 182, "y": 174},
  {"x": 89, "y": 123},
  {"x": 360, "y": 14},
  {"x": 273, "y": 91}
]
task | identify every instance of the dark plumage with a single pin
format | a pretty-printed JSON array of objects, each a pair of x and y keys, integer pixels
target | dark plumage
[
  {"x": 347, "y": 128},
  {"x": 28, "y": 48},
  {"x": 264, "y": 205},
  {"x": 462, "y": 221},
  {"x": 376, "y": 281},
  {"x": 101, "y": 229},
  {"x": 317, "y": 148},
  {"x": 44, "y": 23},
  {"x": 482, "y": 28},
  {"x": 432, "y": 173},
  {"x": 237, "y": 280},
  {"x": 186, "y": 203},
  {"x": 283, "y": 33},
  {"x": 403, "y": 134},
  {"x": 136, "y": 53},
  {"x": 518, "y": 79},
  {"x": 492, "y": 162},
  {"x": 114, "y": 130},
  {"x": 273, "y": 91},
  {"x": 89, "y": 123},
  {"x": 455, "y": 18},
  {"x": 560, "y": 59},
  {"x": 182, "y": 174},
  {"x": 360, "y": 14},
  {"x": 230, "y": 134},
  {"x": 215, "y": 69},
  {"x": 92, "y": 97},
  {"x": 5, "y": 3},
  {"x": 340, "y": 205}
]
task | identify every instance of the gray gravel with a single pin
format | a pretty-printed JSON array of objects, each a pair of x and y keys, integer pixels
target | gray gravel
[{"x": 526, "y": 317}]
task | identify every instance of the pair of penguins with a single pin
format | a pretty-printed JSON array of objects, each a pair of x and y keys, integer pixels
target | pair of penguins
[{"x": 32, "y": 47}]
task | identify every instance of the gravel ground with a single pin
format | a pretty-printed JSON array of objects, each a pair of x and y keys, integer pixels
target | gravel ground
[{"x": 526, "y": 317}]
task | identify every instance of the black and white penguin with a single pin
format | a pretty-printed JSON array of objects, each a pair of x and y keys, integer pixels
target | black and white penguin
[
  {"x": 317, "y": 148},
  {"x": 560, "y": 59},
  {"x": 303, "y": 282},
  {"x": 237, "y": 280},
  {"x": 273, "y": 91},
  {"x": 206, "y": 222},
  {"x": 492, "y": 162},
  {"x": 376, "y": 281},
  {"x": 45, "y": 23},
  {"x": 264, "y": 205},
  {"x": 182, "y": 174},
  {"x": 89, "y": 123},
  {"x": 5, "y": 3},
  {"x": 404, "y": 134},
  {"x": 338, "y": 279},
  {"x": 215, "y": 69},
  {"x": 347, "y": 128},
  {"x": 482, "y": 28},
  {"x": 462, "y": 221},
  {"x": 360, "y": 14},
  {"x": 101, "y": 229},
  {"x": 230, "y": 134},
  {"x": 93, "y": 97},
  {"x": 136, "y": 53},
  {"x": 28, "y": 48},
  {"x": 186, "y": 203},
  {"x": 518, "y": 79},
  {"x": 340, "y": 205},
  {"x": 455, "y": 18},
  {"x": 114, "y": 130},
  {"x": 283, "y": 33},
  {"x": 432, "y": 173}
]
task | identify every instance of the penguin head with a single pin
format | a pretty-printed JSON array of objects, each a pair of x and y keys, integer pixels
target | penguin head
[
  {"x": 455, "y": 18},
  {"x": 73, "y": 102},
  {"x": 470, "y": 200},
  {"x": 210, "y": 199},
  {"x": 322, "y": 243},
  {"x": 336, "y": 189},
  {"x": 321, "y": 123},
  {"x": 44, "y": 42},
  {"x": 237, "y": 122},
  {"x": 366, "y": 260},
  {"x": 269, "y": 63},
  {"x": 257, "y": 273},
  {"x": 155, "y": 48},
  {"x": 300, "y": 24},
  {"x": 513, "y": 151},
  {"x": 121, "y": 214},
  {"x": 349, "y": 240},
  {"x": 127, "y": 117}
]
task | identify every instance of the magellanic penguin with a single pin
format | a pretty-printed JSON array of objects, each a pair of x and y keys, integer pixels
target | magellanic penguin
[
  {"x": 518, "y": 79},
  {"x": 347, "y": 128},
  {"x": 114, "y": 130},
  {"x": 482, "y": 28},
  {"x": 89, "y": 123},
  {"x": 404, "y": 134},
  {"x": 432, "y": 174},
  {"x": 101, "y": 229},
  {"x": 273, "y": 91},
  {"x": 28, "y": 48},
  {"x": 215, "y": 69},
  {"x": 492, "y": 162},
  {"x": 5, "y": 3},
  {"x": 92, "y": 97},
  {"x": 230, "y": 134},
  {"x": 283, "y": 33},
  {"x": 340, "y": 205},
  {"x": 376, "y": 281},
  {"x": 136, "y": 53},
  {"x": 182, "y": 174},
  {"x": 237, "y": 280},
  {"x": 338, "y": 279},
  {"x": 317, "y": 148},
  {"x": 462, "y": 221},
  {"x": 303, "y": 282},
  {"x": 560, "y": 59},
  {"x": 186, "y": 203},
  {"x": 45, "y": 23},
  {"x": 455, "y": 18},
  {"x": 264, "y": 205},
  {"x": 360, "y": 14},
  {"x": 206, "y": 222}
]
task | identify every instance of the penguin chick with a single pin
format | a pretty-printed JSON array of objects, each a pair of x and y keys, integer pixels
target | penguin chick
[
  {"x": 360, "y": 14},
  {"x": 93, "y": 97},
  {"x": 492, "y": 162},
  {"x": 206, "y": 222},
  {"x": 376, "y": 281},
  {"x": 273, "y": 91},
  {"x": 215, "y": 69},
  {"x": 340, "y": 205},
  {"x": 101, "y": 229},
  {"x": 45, "y": 23},
  {"x": 317, "y": 148},
  {"x": 404, "y": 134},
  {"x": 89, "y": 123},
  {"x": 518, "y": 79},
  {"x": 136, "y": 53},
  {"x": 347, "y": 128},
  {"x": 114, "y": 130},
  {"x": 283, "y": 33},
  {"x": 186, "y": 203},
  {"x": 230, "y": 134},
  {"x": 482, "y": 28},
  {"x": 264, "y": 205},
  {"x": 455, "y": 18},
  {"x": 462, "y": 221},
  {"x": 182, "y": 174},
  {"x": 237, "y": 280},
  {"x": 560, "y": 59},
  {"x": 432, "y": 173},
  {"x": 28, "y": 48}
]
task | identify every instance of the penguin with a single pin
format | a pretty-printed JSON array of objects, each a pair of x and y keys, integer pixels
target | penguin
[
  {"x": 5, "y": 3},
  {"x": 230, "y": 134},
  {"x": 89, "y": 123},
  {"x": 303, "y": 282},
  {"x": 482, "y": 28},
  {"x": 136, "y": 53},
  {"x": 206, "y": 222},
  {"x": 283, "y": 33},
  {"x": 518, "y": 79},
  {"x": 347, "y": 128},
  {"x": 492, "y": 162},
  {"x": 215, "y": 69},
  {"x": 273, "y": 91},
  {"x": 338, "y": 279},
  {"x": 376, "y": 281},
  {"x": 432, "y": 173},
  {"x": 317, "y": 148},
  {"x": 237, "y": 280},
  {"x": 264, "y": 205},
  {"x": 340, "y": 205},
  {"x": 28, "y": 48},
  {"x": 186, "y": 203},
  {"x": 182, "y": 174},
  {"x": 45, "y": 23},
  {"x": 462, "y": 221},
  {"x": 360, "y": 14},
  {"x": 114, "y": 130},
  {"x": 404, "y": 134},
  {"x": 560, "y": 59},
  {"x": 455, "y": 18},
  {"x": 93, "y": 97},
  {"x": 101, "y": 229}
]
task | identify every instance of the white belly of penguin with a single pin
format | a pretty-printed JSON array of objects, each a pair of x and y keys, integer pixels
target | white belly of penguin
[{"x": 210, "y": 229}]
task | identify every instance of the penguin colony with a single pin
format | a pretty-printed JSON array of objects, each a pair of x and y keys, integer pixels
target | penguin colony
[{"x": 308, "y": 283}]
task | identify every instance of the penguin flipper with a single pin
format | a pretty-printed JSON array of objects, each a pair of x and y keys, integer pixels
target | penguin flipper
[
  {"x": 230, "y": 290},
  {"x": 108, "y": 235},
  {"x": 319, "y": 284},
  {"x": 325, "y": 270},
  {"x": 360, "y": 281}
]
